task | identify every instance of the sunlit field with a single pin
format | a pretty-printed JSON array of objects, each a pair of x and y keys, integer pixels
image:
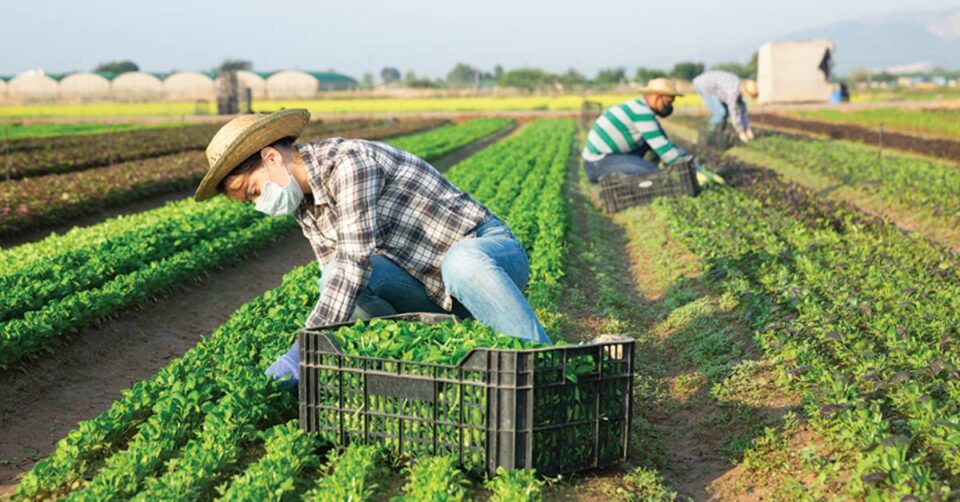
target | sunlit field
[{"x": 330, "y": 106}]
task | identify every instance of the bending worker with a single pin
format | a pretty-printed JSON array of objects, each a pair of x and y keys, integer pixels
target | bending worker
[
  {"x": 722, "y": 92},
  {"x": 392, "y": 235},
  {"x": 627, "y": 138}
]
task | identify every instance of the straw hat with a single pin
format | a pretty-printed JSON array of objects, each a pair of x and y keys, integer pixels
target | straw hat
[
  {"x": 242, "y": 137},
  {"x": 664, "y": 86},
  {"x": 749, "y": 87}
]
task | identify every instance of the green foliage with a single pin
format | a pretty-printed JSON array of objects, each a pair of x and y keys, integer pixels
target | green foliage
[
  {"x": 352, "y": 475},
  {"x": 526, "y": 78},
  {"x": 117, "y": 67},
  {"x": 57, "y": 293},
  {"x": 236, "y": 65},
  {"x": 645, "y": 75},
  {"x": 573, "y": 79},
  {"x": 436, "y": 142},
  {"x": 643, "y": 485},
  {"x": 610, "y": 77},
  {"x": 686, "y": 70},
  {"x": 737, "y": 69},
  {"x": 944, "y": 123},
  {"x": 928, "y": 185},
  {"x": 865, "y": 319},
  {"x": 288, "y": 452},
  {"x": 442, "y": 343},
  {"x": 389, "y": 74},
  {"x": 434, "y": 479},
  {"x": 463, "y": 75},
  {"x": 515, "y": 486}
]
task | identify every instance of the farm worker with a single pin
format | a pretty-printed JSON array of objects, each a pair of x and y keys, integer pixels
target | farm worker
[
  {"x": 627, "y": 138},
  {"x": 722, "y": 92},
  {"x": 392, "y": 235}
]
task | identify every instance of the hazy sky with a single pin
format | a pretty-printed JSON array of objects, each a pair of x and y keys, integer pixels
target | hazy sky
[{"x": 428, "y": 36}]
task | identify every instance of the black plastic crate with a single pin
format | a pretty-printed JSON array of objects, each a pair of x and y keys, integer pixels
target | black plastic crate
[
  {"x": 619, "y": 191},
  {"x": 497, "y": 408}
]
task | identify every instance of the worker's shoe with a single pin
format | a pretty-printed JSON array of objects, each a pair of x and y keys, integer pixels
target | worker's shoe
[{"x": 286, "y": 366}]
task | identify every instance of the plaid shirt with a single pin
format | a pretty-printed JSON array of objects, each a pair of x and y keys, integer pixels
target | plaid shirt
[
  {"x": 371, "y": 198},
  {"x": 725, "y": 86}
]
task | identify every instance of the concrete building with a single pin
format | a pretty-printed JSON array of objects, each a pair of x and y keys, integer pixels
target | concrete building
[
  {"x": 795, "y": 72},
  {"x": 137, "y": 86},
  {"x": 85, "y": 87},
  {"x": 3, "y": 89},
  {"x": 189, "y": 86},
  {"x": 32, "y": 87}
]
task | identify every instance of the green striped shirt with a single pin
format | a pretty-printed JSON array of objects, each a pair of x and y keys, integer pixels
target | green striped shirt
[{"x": 627, "y": 128}]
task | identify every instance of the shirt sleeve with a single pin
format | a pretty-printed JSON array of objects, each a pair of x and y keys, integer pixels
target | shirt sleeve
[
  {"x": 736, "y": 109},
  {"x": 355, "y": 186},
  {"x": 653, "y": 134}
]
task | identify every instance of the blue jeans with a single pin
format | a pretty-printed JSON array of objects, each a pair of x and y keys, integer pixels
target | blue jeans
[
  {"x": 618, "y": 163},
  {"x": 486, "y": 276},
  {"x": 718, "y": 110}
]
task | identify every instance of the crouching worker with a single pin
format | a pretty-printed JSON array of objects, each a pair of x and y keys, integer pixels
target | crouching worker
[
  {"x": 392, "y": 235},
  {"x": 722, "y": 92},
  {"x": 627, "y": 138}
]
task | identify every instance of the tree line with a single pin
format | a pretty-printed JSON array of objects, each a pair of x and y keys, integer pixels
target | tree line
[{"x": 465, "y": 76}]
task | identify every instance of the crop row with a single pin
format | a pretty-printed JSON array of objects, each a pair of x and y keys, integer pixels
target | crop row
[
  {"x": 64, "y": 284},
  {"x": 942, "y": 147},
  {"x": 38, "y": 157},
  {"x": 451, "y": 137},
  {"x": 45, "y": 200},
  {"x": 863, "y": 317},
  {"x": 945, "y": 123},
  {"x": 925, "y": 184},
  {"x": 114, "y": 454}
]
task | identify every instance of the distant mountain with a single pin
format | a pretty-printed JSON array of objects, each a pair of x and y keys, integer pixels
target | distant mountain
[{"x": 883, "y": 41}]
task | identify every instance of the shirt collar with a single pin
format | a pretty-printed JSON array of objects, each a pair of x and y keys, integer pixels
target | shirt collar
[{"x": 313, "y": 167}]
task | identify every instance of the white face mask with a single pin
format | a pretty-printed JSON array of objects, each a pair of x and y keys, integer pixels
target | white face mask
[{"x": 280, "y": 201}]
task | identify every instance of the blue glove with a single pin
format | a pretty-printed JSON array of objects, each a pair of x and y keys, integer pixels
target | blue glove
[{"x": 287, "y": 366}]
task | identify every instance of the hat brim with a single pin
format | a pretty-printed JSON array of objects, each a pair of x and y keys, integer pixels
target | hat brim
[
  {"x": 645, "y": 90},
  {"x": 262, "y": 133}
]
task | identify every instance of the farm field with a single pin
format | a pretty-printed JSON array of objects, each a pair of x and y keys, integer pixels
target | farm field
[
  {"x": 328, "y": 106},
  {"x": 17, "y": 130},
  {"x": 937, "y": 123},
  {"x": 64, "y": 283},
  {"x": 793, "y": 341},
  {"x": 37, "y": 202}
]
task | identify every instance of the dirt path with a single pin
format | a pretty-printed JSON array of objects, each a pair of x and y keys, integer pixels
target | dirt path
[
  {"x": 628, "y": 275},
  {"x": 85, "y": 375}
]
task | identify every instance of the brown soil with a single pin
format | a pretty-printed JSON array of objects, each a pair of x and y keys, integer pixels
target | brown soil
[{"x": 84, "y": 376}]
